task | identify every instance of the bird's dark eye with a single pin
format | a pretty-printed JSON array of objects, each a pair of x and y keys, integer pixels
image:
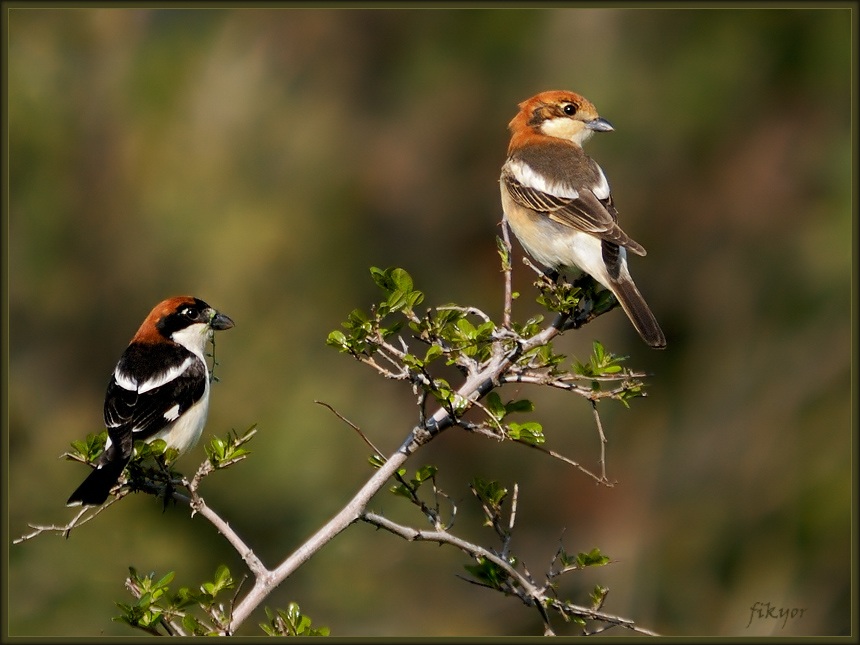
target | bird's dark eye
[
  {"x": 188, "y": 312},
  {"x": 569, "y": 109}
]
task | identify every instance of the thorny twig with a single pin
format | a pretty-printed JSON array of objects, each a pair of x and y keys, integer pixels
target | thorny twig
[{"x": 515, "y": 583}]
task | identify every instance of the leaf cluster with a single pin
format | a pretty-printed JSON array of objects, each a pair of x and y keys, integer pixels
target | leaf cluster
[
  {"x": 604, "y": 366},
  {"x": 403, "y": 344},
  {"x": 157, "y": 608},
  {"x": 291, "y": 622}
]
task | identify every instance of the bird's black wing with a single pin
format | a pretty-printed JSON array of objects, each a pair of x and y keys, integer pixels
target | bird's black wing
[{"x": 136, "y": 409}]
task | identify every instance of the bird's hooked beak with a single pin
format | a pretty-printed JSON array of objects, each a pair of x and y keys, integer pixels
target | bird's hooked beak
[
  {"x": 599, "y": 125},
  {"x": 219, "y": 321}
]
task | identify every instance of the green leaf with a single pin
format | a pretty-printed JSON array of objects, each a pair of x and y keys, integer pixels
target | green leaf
[
  {"x": 337, "y": 339},
  {"x": 425, "y": 472},
  {"x": 192, "y": 625},
  {"x": 391, "y": 329},
  {"x": 523, "y": 405},
  {"x": 401, "y": 490},
  {"x": 599, "y": 352},
  {"x": 530, "y": 432},
  {"x": 223, "y": 578},
  {"x": 433, "y": 352},
  {"x": 89, "y": 449},
  {"x": 558, "y": 297},
  {"x": 631, "y": 390},
  {"x": 593, "y": 558},
  {"x": 357, "y": 318},
  {"x": 412, "y": 361},
  {"x": 398, "y": 285},
  {"x": 166, "y": 580},
  {"x": 185, "y": 597},
  {"x": 290, "y": 622},
  {"x": 597, "y": 596},
  {"x": 466, "y": 328},
  {"x": 530, "y": 327},
  {"x": 401, "y": 279},
  {"x": 490, "y": 493},
  {"x": 441, "y": 390},
  {"x": 155, "y": 448},
  {"x": 487, "y": 572},
  {"x": 600, "y": 363},
  {"x": 494, "y": 404},
  {"x": 225, "y": 452}
]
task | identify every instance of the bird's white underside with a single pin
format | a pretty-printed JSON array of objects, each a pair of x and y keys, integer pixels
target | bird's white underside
[{"x": 557, "y": 245}]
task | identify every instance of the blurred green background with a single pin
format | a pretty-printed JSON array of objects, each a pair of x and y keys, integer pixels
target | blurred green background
[{"x": 263, "y": 159}]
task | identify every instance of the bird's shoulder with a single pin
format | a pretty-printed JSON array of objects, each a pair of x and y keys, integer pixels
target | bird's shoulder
[
  {"x": 559, "y": 161},
  {"x": 145, "y": 360}
]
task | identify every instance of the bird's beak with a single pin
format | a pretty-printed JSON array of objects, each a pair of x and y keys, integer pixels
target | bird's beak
[
  {"x": 220, "y": 321},
  {"x": 599, "y": 125}
]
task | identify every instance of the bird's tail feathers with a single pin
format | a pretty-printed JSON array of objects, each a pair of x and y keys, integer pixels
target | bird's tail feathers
[
  {"x": 639, "y": 313},
  {"x": 96, "y": 487}
]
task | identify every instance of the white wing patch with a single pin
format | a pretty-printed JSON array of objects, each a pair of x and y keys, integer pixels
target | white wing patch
[
  {"x": 125, "y": 381},
  {"x": 601, "y": 190},
  {"x": 165, "y": 377},
  {"x": 172, "y": 413},
  {"x": 527, "y": 176}
]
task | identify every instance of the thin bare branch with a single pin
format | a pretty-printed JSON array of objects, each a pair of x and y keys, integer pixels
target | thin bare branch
[
  {"x": 474, "y": 311},
  {"x": 361, "y": 434},
  {"x": 565, "y": 383},
  {"x": 507, "y": 271},
  {"x": 602, "y": 440},
  {"x": 198, "y": 505},
  {"x": 518, "y": 584},
  {"x": 66, "y": 529}
]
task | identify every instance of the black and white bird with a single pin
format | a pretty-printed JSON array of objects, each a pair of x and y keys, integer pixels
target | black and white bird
[{"x": 158, "y": 390}]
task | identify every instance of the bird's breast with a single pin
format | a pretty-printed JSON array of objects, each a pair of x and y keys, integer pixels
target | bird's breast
[{"x": 184, "y": 433}]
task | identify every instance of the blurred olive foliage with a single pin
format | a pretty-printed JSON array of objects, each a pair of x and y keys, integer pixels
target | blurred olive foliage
[{"x": 263, "y": 159}]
